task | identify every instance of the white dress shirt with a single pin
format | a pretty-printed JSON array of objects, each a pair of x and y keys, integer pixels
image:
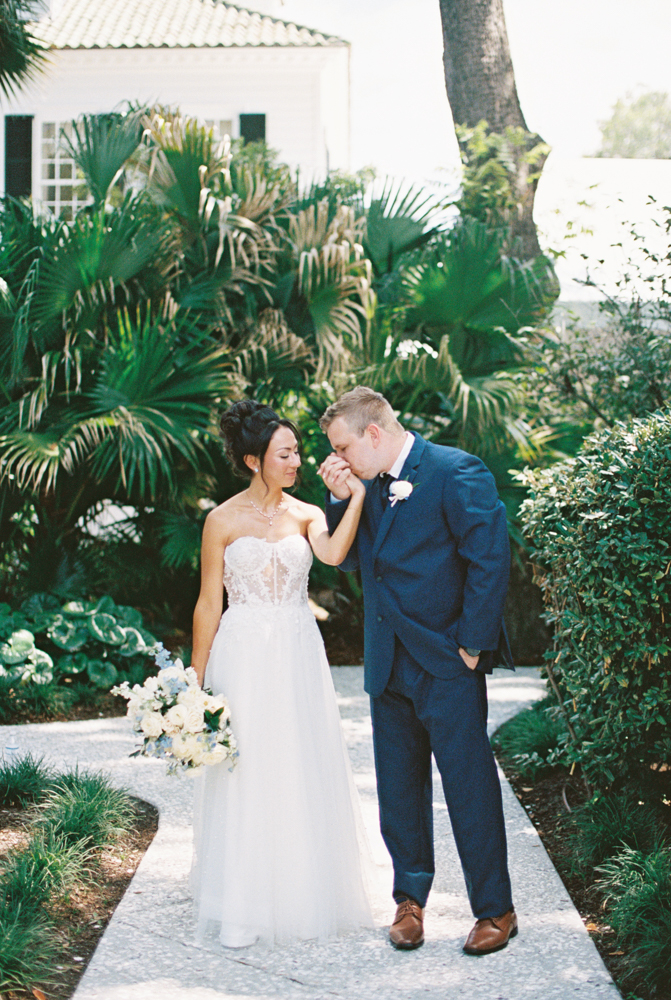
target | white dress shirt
[{"x": 397, "y": 467}]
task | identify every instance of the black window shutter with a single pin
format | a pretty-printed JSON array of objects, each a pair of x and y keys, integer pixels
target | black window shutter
[
  {"x": 18, "y": 155},
  {"x": 253, "y": 128}
]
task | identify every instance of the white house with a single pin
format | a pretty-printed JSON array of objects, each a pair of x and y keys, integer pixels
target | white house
[{"x": 244, "y": 72}]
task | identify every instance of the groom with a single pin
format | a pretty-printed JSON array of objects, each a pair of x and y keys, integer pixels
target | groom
[{"x": 432, "y": 547}]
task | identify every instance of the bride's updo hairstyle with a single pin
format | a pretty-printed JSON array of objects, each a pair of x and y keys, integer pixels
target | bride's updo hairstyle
[{"x": 247, "y": 428}]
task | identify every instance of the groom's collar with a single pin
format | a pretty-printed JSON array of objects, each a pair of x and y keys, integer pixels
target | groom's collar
[{"x": 397, "y": 467}]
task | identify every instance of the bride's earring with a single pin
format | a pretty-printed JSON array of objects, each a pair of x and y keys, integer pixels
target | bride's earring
[{"x": 255, "y": 469}]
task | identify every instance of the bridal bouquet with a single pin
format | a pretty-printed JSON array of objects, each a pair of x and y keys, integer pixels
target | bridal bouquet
[{"x": 180, "y": 721}]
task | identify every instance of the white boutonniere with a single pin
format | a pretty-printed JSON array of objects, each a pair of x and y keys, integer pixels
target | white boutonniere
[{"x": 400, "y": 489}]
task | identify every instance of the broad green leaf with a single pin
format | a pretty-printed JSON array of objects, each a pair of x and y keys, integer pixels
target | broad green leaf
[
  {"x": 102, "y": 673},
  {"x": 104, "y": 628},
  {"x": 18, "y": 648}
]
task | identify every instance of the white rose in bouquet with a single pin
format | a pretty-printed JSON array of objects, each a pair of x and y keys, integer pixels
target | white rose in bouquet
[
  {"x": 152, "y": 724},
  {"x": 192, "y": 697},
  {"x": 186, "y": 746},
  {"x": 195, "y": 721},
  {"x": 175, "y": 718},
  {"x": 215, "y": 756}
]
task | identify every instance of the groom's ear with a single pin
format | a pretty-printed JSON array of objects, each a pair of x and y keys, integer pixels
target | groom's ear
[{"x": 375, "y": 434}]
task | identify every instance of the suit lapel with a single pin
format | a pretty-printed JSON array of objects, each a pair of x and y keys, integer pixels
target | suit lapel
[{"x": 408, "y": 473}]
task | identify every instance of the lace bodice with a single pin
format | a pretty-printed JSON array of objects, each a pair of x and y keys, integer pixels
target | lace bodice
[{"x": 257, "y": 572}]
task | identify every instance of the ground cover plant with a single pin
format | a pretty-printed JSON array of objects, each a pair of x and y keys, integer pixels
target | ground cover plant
[
  {"x": 530, "y": 738},
  {"x": 612, "y": 851},
  {"x": 68, "y": 846},
  {"x": 23, "y": 781}
]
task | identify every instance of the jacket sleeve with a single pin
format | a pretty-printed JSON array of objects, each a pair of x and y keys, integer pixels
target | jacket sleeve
[
  {"x": 477, "y": 518},
  {"x": 335, "y": 510}
]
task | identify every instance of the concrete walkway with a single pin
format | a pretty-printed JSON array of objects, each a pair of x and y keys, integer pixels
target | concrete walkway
[{"x": 148, "y": 953}]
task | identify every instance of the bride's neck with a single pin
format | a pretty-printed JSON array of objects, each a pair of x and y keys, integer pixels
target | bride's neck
[{"x": 264, "y": 495}]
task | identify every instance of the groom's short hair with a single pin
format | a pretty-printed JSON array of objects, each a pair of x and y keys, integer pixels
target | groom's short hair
[{"x": 359, "y": 408}]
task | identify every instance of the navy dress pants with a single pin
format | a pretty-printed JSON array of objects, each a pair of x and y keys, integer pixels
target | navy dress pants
[{"x": 416, "y": 715}]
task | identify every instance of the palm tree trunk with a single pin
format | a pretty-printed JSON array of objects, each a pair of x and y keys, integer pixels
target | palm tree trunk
[{"x": 480, "y": 83}]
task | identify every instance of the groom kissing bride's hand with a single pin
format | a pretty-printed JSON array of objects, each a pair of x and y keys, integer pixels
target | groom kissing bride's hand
[
  {"x": 336, "y": 471},
  {"x": 432, "y": 548}
]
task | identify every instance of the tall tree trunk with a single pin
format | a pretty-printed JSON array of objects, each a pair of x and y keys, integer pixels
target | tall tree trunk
[{"x": 480, "y": 83}]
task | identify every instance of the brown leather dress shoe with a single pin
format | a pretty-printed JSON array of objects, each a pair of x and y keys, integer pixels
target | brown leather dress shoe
[
  {"x": 407, "y": 930},
  {"x": 491, "y": 934}
]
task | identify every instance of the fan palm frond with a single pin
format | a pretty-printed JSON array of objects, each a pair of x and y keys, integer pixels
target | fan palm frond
[
  {"x": 101, "y": 145},
  {"x": 397, "y": 221},
  {"x": 180, "y": 535},
  {"x": 475, "y": 407},
  {"x": 66, "y": 362},
  {"x": 479, "y": 297},
  {"x": 93, "y": 262},
  {"x": 185, "y": 160},
  {"x": 334, "y": 279},
  {"x": 274, "y": 360},
  {"x": 156, "y": 387},
  {"x": 259, "y": 200},
  {"x": 472, "y": 284},
  {"x": 189, "y": 177},
  {"x": 33, "y": 459},
  {"x": 22, "y": 55},
  {"x": 314, "y": 226},
  {"x": 151, "y": 402}
]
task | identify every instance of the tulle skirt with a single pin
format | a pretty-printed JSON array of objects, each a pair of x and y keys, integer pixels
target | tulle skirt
[{"x": 279, "y": 849}]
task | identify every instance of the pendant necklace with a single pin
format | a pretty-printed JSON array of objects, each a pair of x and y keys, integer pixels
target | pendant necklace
[{"x": 268, "y": 517}]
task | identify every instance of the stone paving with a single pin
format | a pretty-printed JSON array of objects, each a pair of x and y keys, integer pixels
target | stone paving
[{"x": 148, "y": 951}]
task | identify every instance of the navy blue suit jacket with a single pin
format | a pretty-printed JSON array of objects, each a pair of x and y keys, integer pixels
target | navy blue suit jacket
[{"x": 435, "y": 568}]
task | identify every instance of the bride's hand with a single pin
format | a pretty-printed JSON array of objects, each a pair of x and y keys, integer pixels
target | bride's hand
[
  {"x": 335, "y": 473},
  {"x": 356, "y": 487}
]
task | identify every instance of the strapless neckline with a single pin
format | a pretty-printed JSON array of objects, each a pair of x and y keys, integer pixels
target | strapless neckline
[{"x": 265, "y": 541}]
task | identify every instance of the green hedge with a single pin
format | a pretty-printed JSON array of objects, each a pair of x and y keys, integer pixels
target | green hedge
[{"x": 600, "y": 530}]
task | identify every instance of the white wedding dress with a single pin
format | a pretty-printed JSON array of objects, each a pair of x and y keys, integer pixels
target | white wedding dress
[{"x": 278, "y": 840}]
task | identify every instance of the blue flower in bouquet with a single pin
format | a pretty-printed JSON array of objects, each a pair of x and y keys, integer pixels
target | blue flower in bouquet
[
  {"x": 162, "y": 656},
  {"x": 171, "y": 685}
]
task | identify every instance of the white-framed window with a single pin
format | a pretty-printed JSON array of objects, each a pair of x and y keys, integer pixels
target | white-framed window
[
  {"x": 63, "y": 190},
  {"x": 220, "y": 127}
]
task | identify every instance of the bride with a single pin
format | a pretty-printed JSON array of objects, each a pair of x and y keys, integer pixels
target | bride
[{"x": 277, "y": 853}]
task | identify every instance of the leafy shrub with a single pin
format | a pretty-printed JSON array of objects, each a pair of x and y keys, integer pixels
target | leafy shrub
[
  {"x": 607, "y": 823},
  {"x": 97, "y": 640},
  {"x": 529, "y": 738},
  {"x": 599, "y": 527},
  {"x": 637, "y": 892},
  {"x": 24, "y": 781},
  {"x": 86, "y": 809}
]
